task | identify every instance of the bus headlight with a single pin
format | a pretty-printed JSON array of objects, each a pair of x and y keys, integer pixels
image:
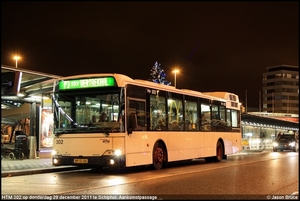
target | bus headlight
[
  {"x": 54, "y": 152},
  {"x": 118, "y": 152},
  {"x": 275, "y": 144},
  {"x": 55, "y": 161}
]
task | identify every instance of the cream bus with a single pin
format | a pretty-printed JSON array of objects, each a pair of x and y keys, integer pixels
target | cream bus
[{"x": 142, "y": 123}]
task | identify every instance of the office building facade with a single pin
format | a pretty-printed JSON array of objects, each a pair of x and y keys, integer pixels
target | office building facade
[{"x": 281, "y": 90}]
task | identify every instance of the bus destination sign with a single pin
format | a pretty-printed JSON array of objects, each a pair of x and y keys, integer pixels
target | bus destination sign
[{"x": 86, "y": 83}]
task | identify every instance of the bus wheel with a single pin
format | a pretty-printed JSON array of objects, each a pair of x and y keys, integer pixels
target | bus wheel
[
  {"x": 220, "y": 152},
  {"x": 159, "y": 154}
]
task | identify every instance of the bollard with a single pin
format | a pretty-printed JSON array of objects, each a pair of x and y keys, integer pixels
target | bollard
[{"x": 32, "y": 147}]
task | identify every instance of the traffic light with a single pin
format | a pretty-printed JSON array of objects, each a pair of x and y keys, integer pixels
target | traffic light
[{"x": 10, "y": 83}]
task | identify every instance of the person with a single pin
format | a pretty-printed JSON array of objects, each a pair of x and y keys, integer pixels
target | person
[
  {"x": 103, "y": 117},
  {"x": 203, "y": 117},
  {"x": 161, "y": 125},
  {"x": 174, "y": 125},
  {"x": 204, "y": 122},
  {"x": 93, "y": 119},
  {"x": 279, "y": 135},
  {"x": 188, "y": 125}
]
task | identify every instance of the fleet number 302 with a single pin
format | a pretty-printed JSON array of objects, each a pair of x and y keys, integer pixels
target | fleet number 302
[{"x": 59, "y": 142}]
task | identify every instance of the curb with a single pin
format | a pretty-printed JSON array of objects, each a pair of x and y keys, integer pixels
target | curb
[{"x": 38, "y": 171}]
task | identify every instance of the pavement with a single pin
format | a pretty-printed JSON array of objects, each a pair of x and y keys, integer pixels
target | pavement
[{"x": 38, "y": 163}]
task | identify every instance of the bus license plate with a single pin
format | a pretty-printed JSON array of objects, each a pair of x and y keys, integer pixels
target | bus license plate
[{"x": 82, "y": 160}]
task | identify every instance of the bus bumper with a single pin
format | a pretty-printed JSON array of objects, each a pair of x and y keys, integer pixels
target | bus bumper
[{"x": 98, "y": 161}]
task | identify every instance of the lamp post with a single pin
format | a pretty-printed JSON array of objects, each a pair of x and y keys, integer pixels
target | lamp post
[
  {"x": 175, "y": 72},
  {"x": 17, "y": 58}
]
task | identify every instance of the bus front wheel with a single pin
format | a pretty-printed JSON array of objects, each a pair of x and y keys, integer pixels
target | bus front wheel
[{"x": 159, "y": 156}]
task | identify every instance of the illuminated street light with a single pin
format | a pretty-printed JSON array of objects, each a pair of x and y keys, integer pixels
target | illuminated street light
[
  {"x": 175, "y": 72},
  {"x": 17, "y": 58}
]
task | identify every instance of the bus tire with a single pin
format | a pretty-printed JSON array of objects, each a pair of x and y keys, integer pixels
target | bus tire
[
  {"x": 219, "y": 152},
  {"x": 159, "y": 156}
]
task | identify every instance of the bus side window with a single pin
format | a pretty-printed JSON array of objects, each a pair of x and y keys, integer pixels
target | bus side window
[{"x": 136, "y": 115}]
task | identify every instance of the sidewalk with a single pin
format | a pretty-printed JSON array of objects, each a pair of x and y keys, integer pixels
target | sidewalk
[{"x": 41, "y": 164}]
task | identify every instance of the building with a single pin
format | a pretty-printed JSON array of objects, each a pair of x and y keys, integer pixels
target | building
[
  {"x": 259, "y": 129},
  {"x": 281, "y": 90}
]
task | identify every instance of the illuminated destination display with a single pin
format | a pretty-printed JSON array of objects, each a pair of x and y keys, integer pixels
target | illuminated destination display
[{"x": 86, "y": 83}]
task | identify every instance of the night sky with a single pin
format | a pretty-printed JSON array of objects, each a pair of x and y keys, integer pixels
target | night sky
[{"x": 218, "y": 46}]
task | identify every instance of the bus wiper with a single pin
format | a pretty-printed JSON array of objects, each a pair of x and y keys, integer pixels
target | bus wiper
[
  {"x": 95, "y": 127},
  {"x": 58, "y": 133},
  {"x": 105, "y": 132},
  {"x": 73, "y": 124},
  {"x": 60, "y": 110}
]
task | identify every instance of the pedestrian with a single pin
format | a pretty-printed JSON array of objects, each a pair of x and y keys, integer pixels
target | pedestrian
[
  {"x": 103, "y": 117},
  {"x": 93, "y": 119},
  {"x": 278, "y": 135}
]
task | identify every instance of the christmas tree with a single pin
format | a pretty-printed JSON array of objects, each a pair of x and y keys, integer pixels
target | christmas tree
[{"x": 158, "y": 75}]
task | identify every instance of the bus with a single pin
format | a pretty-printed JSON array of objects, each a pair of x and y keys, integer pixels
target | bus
[{"x": 145, "y": 123}]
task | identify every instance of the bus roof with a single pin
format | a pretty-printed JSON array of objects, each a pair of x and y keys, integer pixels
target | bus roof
[
  {"x": 122, "y": 80},
  {"x": 158, "y": 86},
  {"x": 224, "y": 95}
]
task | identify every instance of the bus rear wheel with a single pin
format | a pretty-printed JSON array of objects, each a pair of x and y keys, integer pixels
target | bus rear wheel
[
  {"x": 220, "y": 152},
  {"x": 159, "y": 156}
]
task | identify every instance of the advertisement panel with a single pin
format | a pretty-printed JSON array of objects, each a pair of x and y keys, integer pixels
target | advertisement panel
[{"x": 47, "y": 128}]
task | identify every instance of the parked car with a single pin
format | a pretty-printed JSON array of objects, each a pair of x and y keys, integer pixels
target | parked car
[{"x": 285, "y": 142}]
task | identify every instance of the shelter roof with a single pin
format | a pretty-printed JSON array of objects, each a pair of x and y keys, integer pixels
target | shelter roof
[
  {"x": 33, "y": 86},
  {"x": 268, "y": 121}
]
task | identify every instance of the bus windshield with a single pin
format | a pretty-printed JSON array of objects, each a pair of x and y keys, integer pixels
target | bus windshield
[{"x": 89, "y": 111}]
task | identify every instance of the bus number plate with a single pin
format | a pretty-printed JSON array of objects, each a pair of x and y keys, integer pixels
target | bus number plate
[{"x": 76, "y": 160}]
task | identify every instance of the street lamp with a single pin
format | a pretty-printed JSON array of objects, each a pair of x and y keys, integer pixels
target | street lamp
[
  {"x": 175, "y": 72},
  {"x": 17, "y": 58}
]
